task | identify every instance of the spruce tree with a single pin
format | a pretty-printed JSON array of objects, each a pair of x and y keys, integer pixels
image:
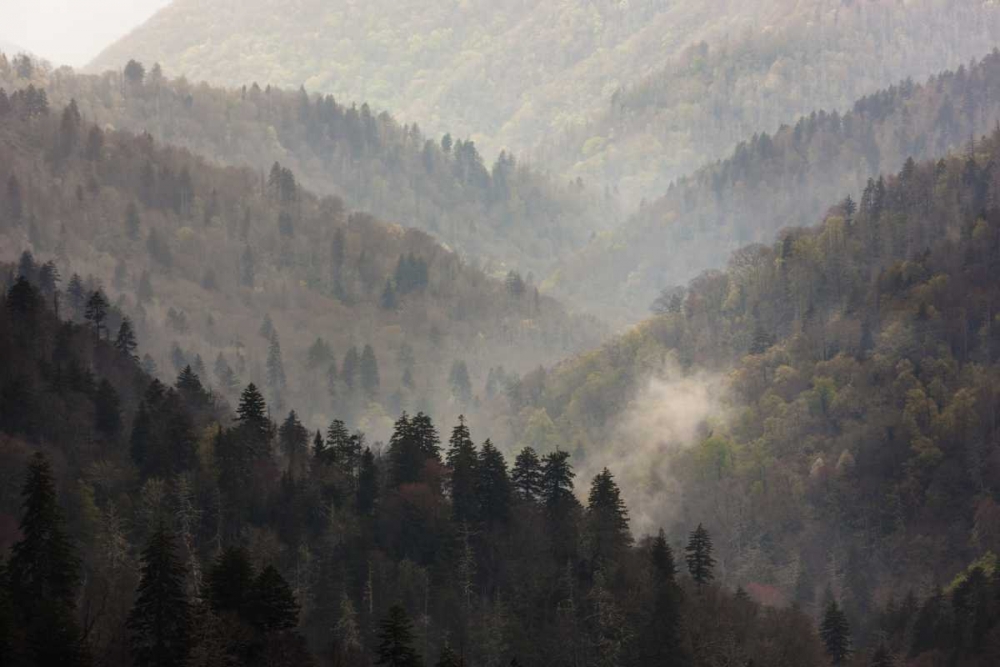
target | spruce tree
[
  {"x": 97, "y": 310},
  {"x": 367, "y": 483},
  {"x": 835, "y": 632},
  {"x": 160, "y": 622},
  {"x": 273, "y": 605},
  {"x": 125, "y": 342},
  {"x": 229, "y": 583},
  {"x": 252, "y": 411},
  {"x": 607, "y": 519},
  {"x": 44, "y": 575},
  {"x": 463, "y": 463},
  {"x": 275, "y": 366},
  {"x": 492, "y": 486},
  {"x": 556, "y": 480},
  {"x": 699, "y": 556},
  {"x": 395, "y": 640}
]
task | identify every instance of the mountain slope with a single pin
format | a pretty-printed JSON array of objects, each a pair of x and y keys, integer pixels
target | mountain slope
[
  {"x": 505, "y": 215},
  {"x": 828, "y": 401},
  {"x": 777, "y": 181},
  {"x": 209, "y": 260},
  {"x": 515, "y": 72}
]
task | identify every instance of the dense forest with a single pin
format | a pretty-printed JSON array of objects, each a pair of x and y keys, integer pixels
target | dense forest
[
  {"x": 502, "y": 214},
  {"x": 247, "y": 276},
  {"x": 775, "y": 181},
  {"x": 705, "y": 99},
  {"x": 843, "y": 384},
  {"x": 149, "y": 525}
]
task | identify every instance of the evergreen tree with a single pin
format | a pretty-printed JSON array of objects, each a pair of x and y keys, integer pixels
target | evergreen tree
[
  {"x": 252, "y": 411},
  {"x": 527, "y": 475},
  {"x": 699, "y": 556},
  {"x": 107, "y": 410},
  {"x": 662, "y": 559},
  {"x": 395, "y": 640},
  {"x": 367, "y": 483},
  {"x": 225, "y": 378},
  {"x": 608, "y": 532},
  {"x": 368, "y": 370},
  {"x": 160, "y": 622},
  {"x": 125, "y": 342},
  {"x": 97, "y": 310},
  {"x": 319, "y": 354},
  {"x": 492, "y": 486},
  {"x": 44, "y": 575},
  {"x": 229, "y": 583},
  {"x": 463, "y": 463},
  {"x": 835, "y": 632},
  {"x": 881, "y": 657},
  {"x": 349, "y": 369},
  {"x": 556, "y": 480},
  {"x": 275, "y": 366},
  {"x": 448, "y": 658},
  {"x": 273, "y": 605},
  {"x": 294, "y": 441},
  {"x": 660, "y": 640}
]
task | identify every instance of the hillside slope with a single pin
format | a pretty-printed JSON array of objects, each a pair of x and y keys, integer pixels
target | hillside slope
[
  {"x": 773, "y": 181},
  {"x": 829, "y": 400},
  {"x": 513, "y": 73},
  {"x": 504, "y": 215},
  {"x": 712, "y": 95},
  {"x": 211, "y": 261}
]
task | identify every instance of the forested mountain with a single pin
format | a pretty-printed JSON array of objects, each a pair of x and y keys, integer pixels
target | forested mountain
[
  {"x": 246, "y": 276},
  {"x": 826, "y": 405},
  {"x": 503, "y": 214},
  {"x": 776, "y": 181},
  {"x": 514, "y": 73},
  {"x": 145, "y": 524},
  {"x": 704, "y": 100}
]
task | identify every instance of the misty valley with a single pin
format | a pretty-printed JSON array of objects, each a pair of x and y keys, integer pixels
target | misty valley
[{"x": 500, "y": 334}]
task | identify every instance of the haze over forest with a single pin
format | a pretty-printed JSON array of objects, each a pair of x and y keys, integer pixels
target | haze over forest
[{"x": 500, "y": 333}]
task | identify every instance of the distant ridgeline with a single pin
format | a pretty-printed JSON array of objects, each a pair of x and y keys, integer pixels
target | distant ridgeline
[
  {"x": 853, "y": 441},
  {"x": 773, "y": 182},
  {"x": 506, "y": 216},
  {"x": 247, "y": 276},
  {"x": 157, "y": 527}
]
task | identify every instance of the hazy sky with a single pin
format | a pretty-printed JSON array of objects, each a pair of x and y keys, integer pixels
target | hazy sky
[{"x": 71, "y": 32}]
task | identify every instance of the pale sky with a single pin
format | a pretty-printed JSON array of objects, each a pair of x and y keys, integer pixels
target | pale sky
[{"x": 71, "y": 32}]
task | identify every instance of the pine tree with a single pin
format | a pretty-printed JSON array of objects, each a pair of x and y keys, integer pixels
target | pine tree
[
  {"x": 294, "y": 441},
  {"x": 662, "y": 559},
  {"x": 229, "y": 582},
  {"x": 395, "y": 647},
  {"x": 463, "y": 463},
  {"x": 607, "y": 519},
  {"x": 556, "y": 479},
  {"x": 160, "y": 622},
  {"x": 97, "y": 310},
  {"x": 492, "y": 486},
  {"x": 252, "y": 411},
  {"x": 273, "y": 605},
  {"x": 44, "y": 574},
  {"x": 835, "y": 632},
  {"x": 367, "y": 483},
  {"x": 125, "y": 342},
  {"x": 660, "y": 640},
  {"x": 699, "y": 556},
  {"x": 527, "y": 475}
]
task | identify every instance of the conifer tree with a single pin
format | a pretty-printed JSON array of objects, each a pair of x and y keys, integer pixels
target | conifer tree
[
  {"x": 395, "y": 647},
  {"x": 107, "y": 409},
  {"x": 835, "y": 632},
  {"x": 252, "y": 411},
  {"x": 448, "y": 658},
  {"x": 273, "y": 605},
  {"x": 492, "y": 486},
  {"x": 44, "y": 575},
  {"x": 463, "y": 463},
  {"x": 349, "y": 369},
  {"x": 97, "y": 310},
  {"x": 294, "y": 440},
  {"x": 607, "y": 519},
  {"x": 367, "y": 483},
  {"x": 125, "y": 341},
  {"x": 699, "y": 556},
  {"x": 527, "y": 475},
  {"x": 160, "y": 622},
  {"x": 229, "y": 582},
  {"x": 275, "y": 366},
  {"x": 556, "y": 479}
]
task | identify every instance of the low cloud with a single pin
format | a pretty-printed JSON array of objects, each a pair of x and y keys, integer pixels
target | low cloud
[{"x": 670, "y": 413}]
